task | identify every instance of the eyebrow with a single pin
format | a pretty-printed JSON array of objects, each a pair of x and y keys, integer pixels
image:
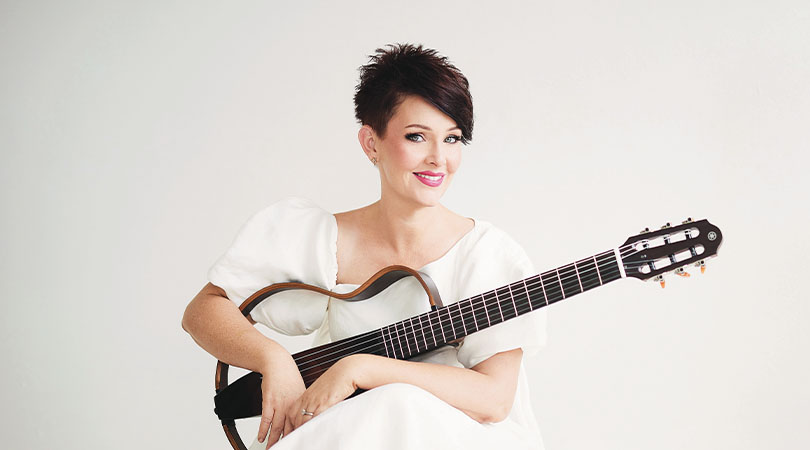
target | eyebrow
[{"x": 417, "y": 125}]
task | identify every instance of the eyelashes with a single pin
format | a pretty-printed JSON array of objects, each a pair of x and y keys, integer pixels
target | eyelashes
[{"x": 418, "y": 137}]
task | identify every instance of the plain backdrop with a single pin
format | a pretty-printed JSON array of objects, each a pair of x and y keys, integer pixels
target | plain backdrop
[{"x": 137, "y": 137}]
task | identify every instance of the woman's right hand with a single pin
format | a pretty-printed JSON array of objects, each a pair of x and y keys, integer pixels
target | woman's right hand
[
  {"x": 218, "y": 326},
  {"x": 281, "y": 386}
]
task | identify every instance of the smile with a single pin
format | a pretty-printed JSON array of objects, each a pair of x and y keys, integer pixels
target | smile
[{"x": 430, "y": 180}]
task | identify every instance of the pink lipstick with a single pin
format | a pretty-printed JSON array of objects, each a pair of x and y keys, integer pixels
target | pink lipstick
[{"x": 429, "y": 178}]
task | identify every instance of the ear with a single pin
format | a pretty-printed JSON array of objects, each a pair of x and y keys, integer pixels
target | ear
[{"x": 368, "y": 140}]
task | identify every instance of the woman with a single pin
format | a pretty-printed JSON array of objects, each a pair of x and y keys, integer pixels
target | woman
[{"x": 416, "y": 113}]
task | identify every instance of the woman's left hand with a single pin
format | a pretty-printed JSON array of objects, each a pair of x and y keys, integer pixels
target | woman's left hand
[{"x": 335, "y": 385}]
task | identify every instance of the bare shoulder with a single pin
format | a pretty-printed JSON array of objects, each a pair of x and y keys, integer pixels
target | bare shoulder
[
  {"x": 349, "y": 222},
  {"x": 457, "y": 225}
]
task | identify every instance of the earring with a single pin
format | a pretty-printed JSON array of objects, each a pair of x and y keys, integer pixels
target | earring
[{"x": 374, "y": 161}]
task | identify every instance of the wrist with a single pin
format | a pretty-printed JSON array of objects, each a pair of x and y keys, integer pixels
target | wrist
[
  {"x": 274, "y": 357},
  {"x": 356, "y": 369}
]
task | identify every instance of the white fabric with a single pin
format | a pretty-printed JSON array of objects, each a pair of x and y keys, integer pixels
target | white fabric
[{"x": 296, "y": 240}]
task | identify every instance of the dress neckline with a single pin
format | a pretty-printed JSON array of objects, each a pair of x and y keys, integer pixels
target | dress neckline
[{"x": 455, "y": 245}]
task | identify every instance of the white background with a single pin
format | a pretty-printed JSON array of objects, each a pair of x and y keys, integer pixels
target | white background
[{"x": 137, "y": 137}]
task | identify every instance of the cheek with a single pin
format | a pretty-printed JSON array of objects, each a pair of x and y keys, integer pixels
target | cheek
[
  {"x": 453, "y": 161},
  {"x": 405, "y": 158}
]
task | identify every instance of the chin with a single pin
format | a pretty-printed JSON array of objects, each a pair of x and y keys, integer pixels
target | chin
[{"x": 433, "y": 199}]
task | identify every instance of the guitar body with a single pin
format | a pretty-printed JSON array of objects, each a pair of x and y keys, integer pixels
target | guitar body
[
  {"x": 243, "y": 398},
  {"x": 645, "y": 256}
]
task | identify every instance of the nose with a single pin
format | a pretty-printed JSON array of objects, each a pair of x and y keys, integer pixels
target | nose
[{"x": 436, "y": 155}]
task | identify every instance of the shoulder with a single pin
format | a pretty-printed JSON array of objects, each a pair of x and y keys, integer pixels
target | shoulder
[
  {"x": 292, "y": 209},
  {"x": 488, "y": 258},
  {"x": 292, "y": 239},
  {"x": 488, "y": 238},
  {"x": 292, "y": 223}
]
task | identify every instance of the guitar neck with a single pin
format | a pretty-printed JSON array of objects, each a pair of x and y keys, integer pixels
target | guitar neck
[{"x": 425, "y": 332}]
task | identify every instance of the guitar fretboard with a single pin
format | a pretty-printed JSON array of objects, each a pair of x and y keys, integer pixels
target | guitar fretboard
[{"x": 428, "y": 331}]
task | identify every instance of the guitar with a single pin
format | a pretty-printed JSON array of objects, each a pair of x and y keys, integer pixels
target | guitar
[{"x": 646, "y": 256}]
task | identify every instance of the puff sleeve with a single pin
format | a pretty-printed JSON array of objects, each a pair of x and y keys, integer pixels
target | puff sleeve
[
  {"x": 496, "y": 261},
  {"x": 291, "y": 240}
]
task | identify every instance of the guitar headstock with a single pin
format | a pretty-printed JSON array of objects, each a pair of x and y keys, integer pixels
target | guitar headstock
[{"x": 650, "y": 254}]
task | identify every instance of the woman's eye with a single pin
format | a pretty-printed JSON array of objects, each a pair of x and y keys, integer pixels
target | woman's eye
[
  {"x": 415, "y": 137},
  {"x": 452, "y": 139}
]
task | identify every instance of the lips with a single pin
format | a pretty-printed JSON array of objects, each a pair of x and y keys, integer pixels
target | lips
[{"x": 429, "y": 178}]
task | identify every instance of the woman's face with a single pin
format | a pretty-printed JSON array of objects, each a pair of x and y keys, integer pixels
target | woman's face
[{"x": 419, "y": 154}]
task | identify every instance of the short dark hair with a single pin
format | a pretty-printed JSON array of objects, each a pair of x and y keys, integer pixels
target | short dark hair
[{"x": 404, "y": 69}]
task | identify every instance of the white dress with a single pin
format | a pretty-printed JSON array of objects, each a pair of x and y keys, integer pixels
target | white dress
[{"x": 295, "y": 240}]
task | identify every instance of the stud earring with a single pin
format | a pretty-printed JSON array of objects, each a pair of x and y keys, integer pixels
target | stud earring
[{"x": 374, "y": 161}]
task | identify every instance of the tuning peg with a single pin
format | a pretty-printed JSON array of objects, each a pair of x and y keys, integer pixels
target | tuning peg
[
  {"x": 682, "y": 272},
  {"x": 666, "y": 226},
  {"x": 660, "y": 279},
  {"x": 646, "y": 230},
  {"x": 688, "y": 220},
  {"x": 702, "y": 265}
]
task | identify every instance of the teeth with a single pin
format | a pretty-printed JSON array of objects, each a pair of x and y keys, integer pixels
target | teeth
[{"x": 428, "y": 177}]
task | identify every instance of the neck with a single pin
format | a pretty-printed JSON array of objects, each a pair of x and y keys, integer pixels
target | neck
[{"x": 403, "y": 225}]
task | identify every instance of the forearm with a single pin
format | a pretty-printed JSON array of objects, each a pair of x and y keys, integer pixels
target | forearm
[
  {"x": 485, "y": 393},
  {"x": 217, "y": 325}
]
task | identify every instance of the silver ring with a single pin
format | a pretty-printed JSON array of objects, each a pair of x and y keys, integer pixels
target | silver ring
[{"x": 304, "y": 412}]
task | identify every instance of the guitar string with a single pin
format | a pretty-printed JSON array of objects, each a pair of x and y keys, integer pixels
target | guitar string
[
  {"x": 478, "y": 305},
  {"x": 625, "y": 250},
  {"x": 380, "y": 347}
]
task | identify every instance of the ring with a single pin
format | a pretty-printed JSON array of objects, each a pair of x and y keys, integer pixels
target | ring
[{"x": 304, "y": 412}]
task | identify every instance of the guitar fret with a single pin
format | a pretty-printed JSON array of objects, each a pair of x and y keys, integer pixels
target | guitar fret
[
  {"x": 498, "y": 301},
  {"x": 528, "y": 296},
  {"x": 438, "y": 313},
  {"x": 512, "y": 297},
  {"x": 461, "y": 315},
  {"x": 402, "y": 352},
  {"x": 486, "y": 313},
  {"x": 385, "y": 343},
  {"x": 413, "y": 330},
  {"x": 433, "y": 333},
  {"x": 553, "y": 291},
  {"x": 608, "y": 267},
  {"x": 403, "y": 326},
  {"x": 452, "y": 326},
  {"x": 578, "y": 278},
  {"x": 405, "y": 335},
  {"x": 560, "y": 281},
  {"x": 597, "y": 270},
  {"x": 422, "y": 329},
  {"x": 588, "y": 278},
  {"x": 472, "y": 309},
  {"x": 391, "y": 338},
  {"x": 542, "y": 285}
]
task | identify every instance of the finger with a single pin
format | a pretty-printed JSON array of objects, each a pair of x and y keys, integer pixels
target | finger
[
  {"x": 277, "y": 428},
  {"x": 288, "y": 426},
  {"x": 306, "y": 418},
  {"x": 264, "y": 425},
  {"x": 315, "y": 412}
]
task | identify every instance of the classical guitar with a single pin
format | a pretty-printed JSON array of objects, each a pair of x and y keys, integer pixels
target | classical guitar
[{"x": 646, "y": 256}]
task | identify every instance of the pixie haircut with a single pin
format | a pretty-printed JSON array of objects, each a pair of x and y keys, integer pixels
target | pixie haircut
[{"x": 404, "y": 69}]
